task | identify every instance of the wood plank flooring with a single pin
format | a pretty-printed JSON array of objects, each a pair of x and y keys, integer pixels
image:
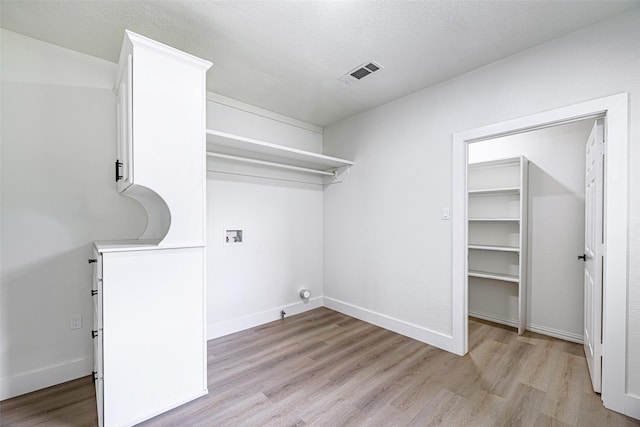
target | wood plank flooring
[{"x": 323, "y": 368}]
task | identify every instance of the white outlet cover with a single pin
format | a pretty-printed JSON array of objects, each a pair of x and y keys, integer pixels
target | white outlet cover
[{"x": 76, "y": 321}]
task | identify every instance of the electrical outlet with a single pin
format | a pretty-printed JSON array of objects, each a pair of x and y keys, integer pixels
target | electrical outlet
[{"x": 76, "y": 321}]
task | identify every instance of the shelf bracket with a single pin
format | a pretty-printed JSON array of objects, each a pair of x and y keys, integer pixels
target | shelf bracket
[{"x": 340, "y": 174}]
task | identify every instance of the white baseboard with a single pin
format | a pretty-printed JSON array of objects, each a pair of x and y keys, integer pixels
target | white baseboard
[
  {"x": 494, "y": 319},
  {"x": 401, "y": 327},
  {"x": 626, "y": 403},
  {"x": 563, "y": 335},
  {"x": 544, "y": 330},
  {"x": 46, "y": 377},
  {"x": 42, "y": 378},
  {"x": 445, "y": 342},
  {"x": 216, "y": 330},
  {"x": 173, "y": 405}
]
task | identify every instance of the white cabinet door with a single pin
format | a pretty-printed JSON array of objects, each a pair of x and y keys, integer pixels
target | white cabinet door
[
  {"x": 154, "y": 341},
  {"x": 124, "y": 162}
]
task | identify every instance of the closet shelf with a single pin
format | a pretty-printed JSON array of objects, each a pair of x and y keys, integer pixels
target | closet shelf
[
  {"x": 240, "y": 148},
  {"x": 495, "y": 219},
  {"x": 495, "y": 248},
  {"x": 494, "y": 191},
  {"x": 494, "y": 276}
]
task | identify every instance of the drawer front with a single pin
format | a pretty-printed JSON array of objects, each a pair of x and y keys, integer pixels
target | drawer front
[
  {"x": 96, "y": 291},
  {"x": 98, "y": 367},
  {"x": 99, "y": 266},
  {"x": 100, "y": 401},
  {"x": 97, "y": 307},
  {"x": 98, "y": 375},
  {"x": 96, "y": 318}
]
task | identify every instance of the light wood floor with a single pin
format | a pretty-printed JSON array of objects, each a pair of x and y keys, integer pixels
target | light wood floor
[{"x": 326, "y": 369}]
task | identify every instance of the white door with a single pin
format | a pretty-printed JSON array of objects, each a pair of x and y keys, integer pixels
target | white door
[{"x": 592, "y": 257}]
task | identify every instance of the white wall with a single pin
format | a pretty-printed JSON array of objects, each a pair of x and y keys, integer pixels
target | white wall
[
  {"x": 58, "y": 195},
  {"x": 556, "y": 230},
  {"x": 281, "y": 253},
  {"x": 386, "y": 249}
]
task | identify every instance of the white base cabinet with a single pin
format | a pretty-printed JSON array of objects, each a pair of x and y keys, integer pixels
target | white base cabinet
[{"x": 149, "y": 328}]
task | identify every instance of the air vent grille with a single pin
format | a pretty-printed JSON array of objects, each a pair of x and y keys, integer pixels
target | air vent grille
[{"x": 360, "y": 72}]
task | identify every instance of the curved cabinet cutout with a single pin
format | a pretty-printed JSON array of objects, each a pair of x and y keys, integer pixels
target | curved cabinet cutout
[{"x": 158, "y": 212}]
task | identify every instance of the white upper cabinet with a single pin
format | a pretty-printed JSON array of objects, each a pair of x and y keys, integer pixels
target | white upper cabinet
[
  {"x": 161, "y": 138},
  {"x": 123, "y": 170}
]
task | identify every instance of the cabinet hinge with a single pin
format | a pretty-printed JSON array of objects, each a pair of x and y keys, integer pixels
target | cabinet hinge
[
  {"x": 94, "y": 292},
  {"x": 94, "y": 334}
]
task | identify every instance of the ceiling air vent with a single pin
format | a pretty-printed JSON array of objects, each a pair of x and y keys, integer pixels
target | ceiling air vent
[{"x": 360, "y": 72}]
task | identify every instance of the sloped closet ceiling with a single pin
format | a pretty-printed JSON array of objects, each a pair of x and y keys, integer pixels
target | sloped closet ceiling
[{"x": 287, "y": 56}]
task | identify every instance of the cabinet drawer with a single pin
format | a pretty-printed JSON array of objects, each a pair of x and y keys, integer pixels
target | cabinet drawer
[
  {"x": 98, "y": 267},
  {"x": 96, "y": 291},
  {"x": 99, "y": 383},
  {"x": 98, "y": 375},
  {"x": 97, "y": 311},
  {"x": 97, "y": 320}
]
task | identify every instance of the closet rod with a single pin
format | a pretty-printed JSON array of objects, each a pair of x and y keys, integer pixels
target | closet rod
[{"x": 264, "y": 162}]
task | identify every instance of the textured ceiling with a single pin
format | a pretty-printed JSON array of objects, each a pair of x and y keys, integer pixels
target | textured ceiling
[{"x": 287, "y": 56}]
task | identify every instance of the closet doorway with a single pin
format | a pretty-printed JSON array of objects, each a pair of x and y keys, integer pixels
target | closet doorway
[
  {"x": 552, "y": 224},
  {"x": 613, "y": 110}
]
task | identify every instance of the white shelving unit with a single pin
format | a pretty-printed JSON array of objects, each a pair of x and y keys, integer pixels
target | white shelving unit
[
  {"x": 497, "y": 229},
  {"x": 239, "y": 148}
]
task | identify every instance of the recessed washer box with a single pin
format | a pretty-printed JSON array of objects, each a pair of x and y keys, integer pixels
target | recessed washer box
[{"x": 233, "y": 237}]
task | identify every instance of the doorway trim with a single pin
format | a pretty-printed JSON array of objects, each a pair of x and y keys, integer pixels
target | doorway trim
[{"x": 615, "y": 281}]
